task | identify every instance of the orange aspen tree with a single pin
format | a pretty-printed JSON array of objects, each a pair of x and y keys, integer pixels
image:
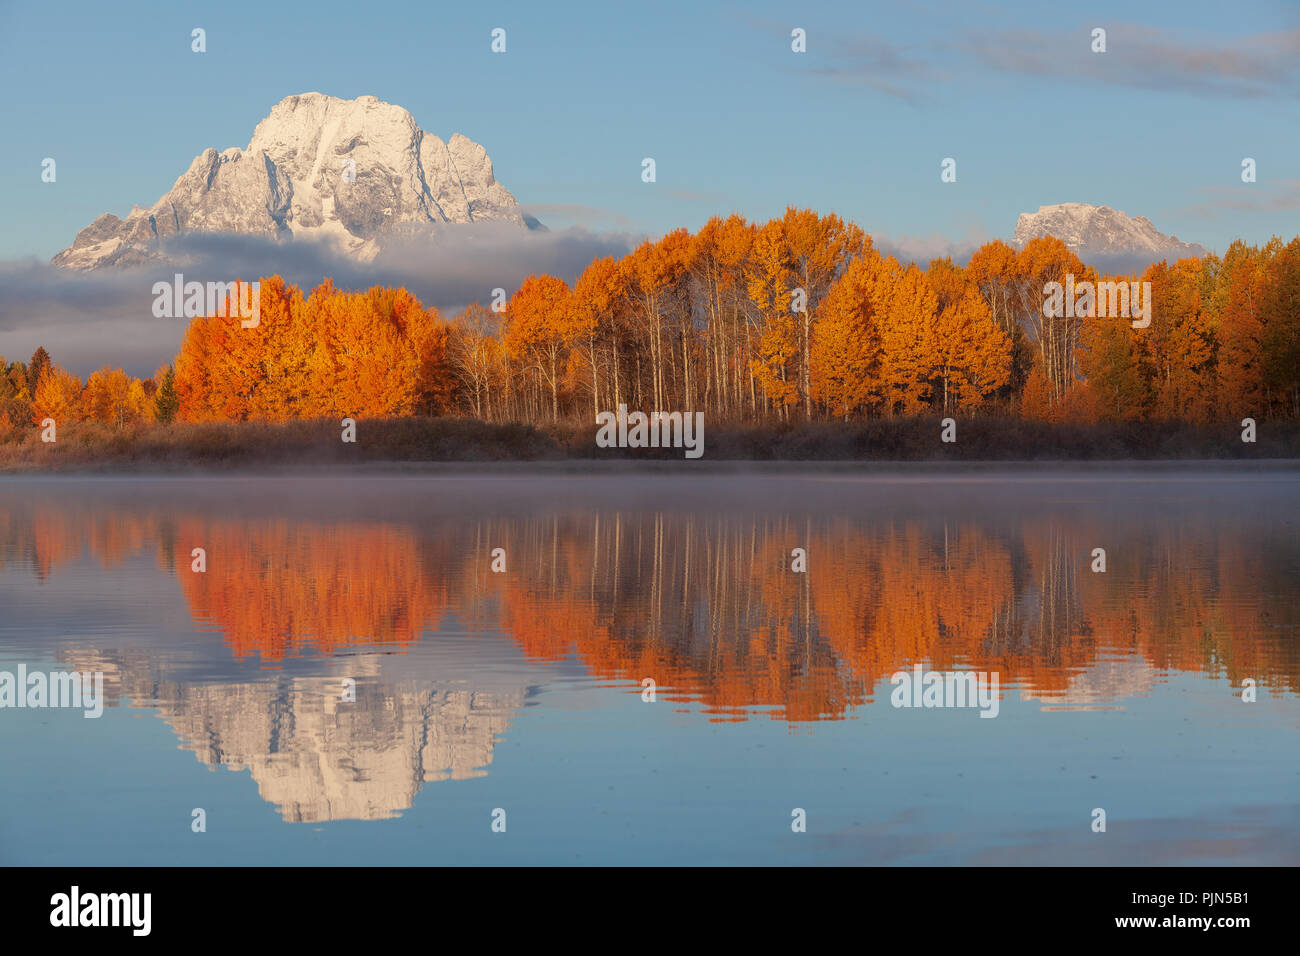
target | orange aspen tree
[{"x": 537, "y": 330}]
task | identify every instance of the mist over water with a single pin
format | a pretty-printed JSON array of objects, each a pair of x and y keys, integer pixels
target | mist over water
[{"x": 523, "y": 688}]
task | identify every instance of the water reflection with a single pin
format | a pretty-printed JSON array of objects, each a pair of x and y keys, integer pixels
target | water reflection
[{"x": 389, "y": 583}]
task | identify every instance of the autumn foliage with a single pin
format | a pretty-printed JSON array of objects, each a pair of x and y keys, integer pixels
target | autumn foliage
[
  {"x": 797, "y": 319},
  {"x": 367, "y": 354}
]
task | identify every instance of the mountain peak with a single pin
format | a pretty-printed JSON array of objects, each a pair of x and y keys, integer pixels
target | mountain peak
[
  {"x": 1101, "y": 232},
  {"x": 317, "y": 165}
]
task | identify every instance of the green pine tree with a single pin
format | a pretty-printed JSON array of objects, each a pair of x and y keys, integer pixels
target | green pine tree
[{"x": 167, "y": 403}]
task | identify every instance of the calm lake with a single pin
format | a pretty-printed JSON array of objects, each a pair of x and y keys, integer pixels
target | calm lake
[{"x": 357, "y": 675}]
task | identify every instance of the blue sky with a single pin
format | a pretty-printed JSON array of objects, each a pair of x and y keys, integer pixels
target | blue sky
[{"x": 1157, "y": 126}]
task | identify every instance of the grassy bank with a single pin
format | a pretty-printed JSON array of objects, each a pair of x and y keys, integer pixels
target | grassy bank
[{"x": 93, "y": 447}]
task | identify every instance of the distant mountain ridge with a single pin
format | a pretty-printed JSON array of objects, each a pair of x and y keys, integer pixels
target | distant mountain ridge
[
  {"x": 1100, "y": 232},
  {"x": 318, "y": 166}
]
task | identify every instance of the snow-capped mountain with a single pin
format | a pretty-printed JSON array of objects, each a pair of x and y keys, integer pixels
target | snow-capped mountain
[
  {"x": 1102, "y": 232},
  {"x": 317, "y": 166}
]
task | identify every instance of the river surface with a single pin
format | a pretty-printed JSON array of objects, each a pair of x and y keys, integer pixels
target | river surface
[{"x": 655, "y": 670}]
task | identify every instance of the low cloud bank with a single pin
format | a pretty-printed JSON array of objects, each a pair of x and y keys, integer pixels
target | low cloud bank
[{"x": 88, "y": 320}]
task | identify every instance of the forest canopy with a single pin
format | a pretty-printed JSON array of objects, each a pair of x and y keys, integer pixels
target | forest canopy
[{"x": 797, "y": 319}]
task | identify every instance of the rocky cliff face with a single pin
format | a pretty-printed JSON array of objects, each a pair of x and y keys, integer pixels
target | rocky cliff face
[{"x": 317, "y": 166}]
